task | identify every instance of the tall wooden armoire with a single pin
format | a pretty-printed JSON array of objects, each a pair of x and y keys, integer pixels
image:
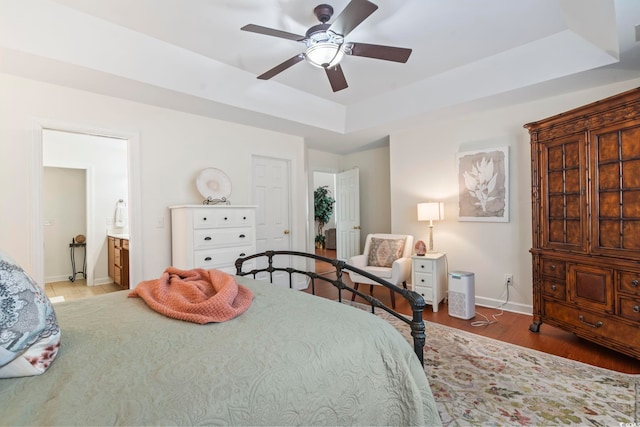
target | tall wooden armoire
[{"x": 585, "y": 170}]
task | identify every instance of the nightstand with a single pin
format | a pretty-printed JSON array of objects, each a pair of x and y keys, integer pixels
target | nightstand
[{"x": 429, "y": 277}]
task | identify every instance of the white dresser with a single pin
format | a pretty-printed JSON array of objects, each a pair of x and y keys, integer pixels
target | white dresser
[
  {"x": 209, "y": 237},
  {"x": 429, "y": 277}
]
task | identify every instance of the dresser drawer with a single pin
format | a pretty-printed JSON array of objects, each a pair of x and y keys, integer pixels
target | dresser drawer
[
  {"x": 425, "y": 292},
  {"x": 420, "y": 266},
  {"x": 422, "y": 279},
  {"x": 554, "y": 268},
  {"x": 221, "y": 237},
  {"x": 207, "y": 218},
  {"x": 629, "y": 309},
  {"x": 554, "y": 289},
  {"x": 590, "y": 325},
  {"x": 629, "y": 282},
  {"x": 216, "y": 258}
]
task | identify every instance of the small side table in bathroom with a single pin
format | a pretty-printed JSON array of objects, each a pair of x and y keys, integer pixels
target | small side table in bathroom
[{"x": 72, "y": 248}]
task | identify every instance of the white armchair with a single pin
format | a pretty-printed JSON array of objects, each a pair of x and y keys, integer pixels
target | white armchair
[{"x": 387, "y": 256}]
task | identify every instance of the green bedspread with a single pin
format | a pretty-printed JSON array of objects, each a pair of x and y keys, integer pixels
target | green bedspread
[{"x": 292, "y": 358}]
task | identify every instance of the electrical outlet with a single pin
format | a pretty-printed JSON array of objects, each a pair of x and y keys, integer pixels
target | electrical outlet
[{"x": 508, "y": 279}]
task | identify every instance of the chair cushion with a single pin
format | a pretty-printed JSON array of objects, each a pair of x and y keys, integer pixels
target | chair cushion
[
  {"x": 383, "y": 252},
  {"x": 381, "y": 272},
  {"x": 29, "y": 332}
]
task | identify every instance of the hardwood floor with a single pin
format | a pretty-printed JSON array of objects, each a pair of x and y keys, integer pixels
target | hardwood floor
[
  {"x": 76, "y": 290},
  {"x": 510, "y": 327}
]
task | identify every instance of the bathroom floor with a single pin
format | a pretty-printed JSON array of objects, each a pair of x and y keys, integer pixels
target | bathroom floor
[{"x": 76, "y": 290}]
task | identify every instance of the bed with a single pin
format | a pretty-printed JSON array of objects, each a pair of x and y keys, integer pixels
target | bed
[{"x": 291, "y": 359}]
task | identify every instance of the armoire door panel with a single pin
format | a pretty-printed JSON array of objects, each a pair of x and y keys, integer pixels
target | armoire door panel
[
  {"x": 631, "y": 204},
  {"x": 609, "y": 204},
  {"x": 631, "y": 173},
  {"x": 610, "y": 235},
  {"x": 562, "y": 194},
  {"x": 616, "y": 188},
  {"x": 631, "y": 236},
  {"x": 609, "y": 176},
  {"x": 631, "y": 143}
]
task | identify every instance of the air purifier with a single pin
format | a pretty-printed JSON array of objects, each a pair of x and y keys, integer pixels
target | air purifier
[{"x": 462, "y": 296}]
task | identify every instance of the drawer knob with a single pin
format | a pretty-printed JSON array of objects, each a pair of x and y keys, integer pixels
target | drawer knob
[
  {"x": 634, "y": 282},
  {"x": 242, "y": 236},
  {"x": 596, "y": 325},
  {"x": 554, "y": 287},
  {"x": 226, "y": 218},
  {"x": 244, "y": 217},
  {"x": 207, "y": 238},
  {"x": 553, "y": 267},
  {"x": 636, "y": 309},
  {"x": 242, "y": 254},
  {"x": 208, "y": 258},
  {"x": 422, "y": 280}
]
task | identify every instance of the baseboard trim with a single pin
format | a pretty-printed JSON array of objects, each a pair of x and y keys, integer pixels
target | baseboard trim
[
  {"x": 509, "y": 306},
  {"x": 52, "y": 279}
]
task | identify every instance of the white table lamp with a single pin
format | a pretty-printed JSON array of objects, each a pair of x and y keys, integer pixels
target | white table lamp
[{"x": 430, "y": 211}]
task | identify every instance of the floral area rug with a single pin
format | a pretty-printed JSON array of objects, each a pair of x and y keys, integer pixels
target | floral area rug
[{"x": 481, "y": 381}]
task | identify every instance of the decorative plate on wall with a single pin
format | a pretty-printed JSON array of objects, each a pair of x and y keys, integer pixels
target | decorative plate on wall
[{"x": 214, "y": 185}]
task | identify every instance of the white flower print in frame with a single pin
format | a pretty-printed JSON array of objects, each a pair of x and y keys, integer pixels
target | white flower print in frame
[{"x": 483, "y": 185}]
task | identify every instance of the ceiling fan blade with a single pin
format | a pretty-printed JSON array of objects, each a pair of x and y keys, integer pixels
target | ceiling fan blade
[
  {"x": 280, "y": 68},
  {"x": 376, "y": 51},
  {"x": 352, "y": 16},
  {"x": 272, "y": 32},
  {"x": 336, "y": 78}
]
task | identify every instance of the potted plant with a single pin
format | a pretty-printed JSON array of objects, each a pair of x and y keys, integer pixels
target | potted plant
[{"x": 323, "y": 208}]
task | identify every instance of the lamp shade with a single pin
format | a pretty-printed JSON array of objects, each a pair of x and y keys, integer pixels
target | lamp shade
[
  {"x": 430, "y": 211},
  {"x": 324, "y": 55}
]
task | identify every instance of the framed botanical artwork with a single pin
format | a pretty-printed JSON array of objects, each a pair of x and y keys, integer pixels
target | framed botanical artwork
[{"x": 483, "y": 185}]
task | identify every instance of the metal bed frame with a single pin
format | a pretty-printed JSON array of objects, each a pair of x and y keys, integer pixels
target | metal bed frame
[{"x": 415, "y": 300}]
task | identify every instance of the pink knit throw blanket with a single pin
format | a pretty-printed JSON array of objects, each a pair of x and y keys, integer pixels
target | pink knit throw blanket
[{"x": 198, "y": 295}]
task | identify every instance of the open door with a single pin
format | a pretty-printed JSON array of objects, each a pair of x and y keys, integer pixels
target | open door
[{"x": 348, "y": 214}]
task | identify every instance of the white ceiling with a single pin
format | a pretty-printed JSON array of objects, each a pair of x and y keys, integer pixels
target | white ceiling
[{"x": 191, "y": 55}]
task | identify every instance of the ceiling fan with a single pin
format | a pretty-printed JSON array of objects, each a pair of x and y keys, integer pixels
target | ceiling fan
[{"x": 326, "y": 44}]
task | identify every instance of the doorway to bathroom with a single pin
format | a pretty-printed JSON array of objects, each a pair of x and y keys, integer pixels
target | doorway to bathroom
[{"x": 84, "y": 179}]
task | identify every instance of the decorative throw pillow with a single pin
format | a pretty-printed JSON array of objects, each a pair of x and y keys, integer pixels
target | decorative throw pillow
[
  {"x": 29, "y": 332},
  {"x": 382, "y": 252}
]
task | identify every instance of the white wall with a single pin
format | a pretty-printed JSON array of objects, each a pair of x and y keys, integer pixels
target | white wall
[
  {"x": 173, "y": 148},
  {"x": 375, "y": 189},
  {"x": 64, "y": 207},
  {"x": 423, "y": 168}
]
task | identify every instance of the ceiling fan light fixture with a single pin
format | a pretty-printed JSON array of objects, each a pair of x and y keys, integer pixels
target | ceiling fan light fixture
[
  {"x": 324, "y": 55},
  {"x": 326, "y": 45}
]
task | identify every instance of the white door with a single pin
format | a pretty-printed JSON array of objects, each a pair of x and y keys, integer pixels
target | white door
[
  {"x": 348, "y": 214},
  {"x": 272, "y": 195}
]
